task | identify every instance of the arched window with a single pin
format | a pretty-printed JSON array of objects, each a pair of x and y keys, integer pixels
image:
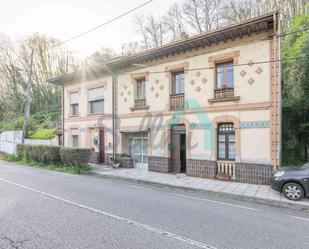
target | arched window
[{"x": 226, "y": 141}]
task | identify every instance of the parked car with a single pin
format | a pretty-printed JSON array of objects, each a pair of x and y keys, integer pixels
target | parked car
[{"x": 293, "y": 182}]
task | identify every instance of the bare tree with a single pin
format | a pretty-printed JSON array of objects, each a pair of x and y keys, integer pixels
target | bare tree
[
  {"x": 173, "y": 20},
  {"x": 130, "y": 48},
  {"x": 202, "y": 15},
  {"x": 156, "y": 31},
  {"x": 140, "y": 22}
]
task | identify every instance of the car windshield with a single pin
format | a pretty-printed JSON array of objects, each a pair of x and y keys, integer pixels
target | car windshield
[{"x": 305, "y": 166}]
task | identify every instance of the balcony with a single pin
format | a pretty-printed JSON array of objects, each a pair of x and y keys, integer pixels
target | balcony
[
  {"x": 139, "y": 104},
  {"x": 226, "y": 170},
  {"x": 177, "y": 102},
  {"x": 224, "y": 94}
]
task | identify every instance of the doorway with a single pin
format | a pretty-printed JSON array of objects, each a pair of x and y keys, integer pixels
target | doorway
[
  {"x": 139, "y": 149},
  {"x": 178, "y": 151},
  {"x": 101, "y": 146}
]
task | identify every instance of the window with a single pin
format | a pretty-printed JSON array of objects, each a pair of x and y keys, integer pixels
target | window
[
  {"x": 74, "y": 104},
  {"x": 178, "y": 83},
  {"x": 226, "y": 141},
  {"x": 75, "y": 141},
  {"x": 140, "y": 89},
  {"x": 96, "y": 100},
  {"x": 225, "y": 75}
]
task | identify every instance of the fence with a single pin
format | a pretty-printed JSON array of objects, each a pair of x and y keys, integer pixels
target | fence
[{"x": 10, "y": 139}]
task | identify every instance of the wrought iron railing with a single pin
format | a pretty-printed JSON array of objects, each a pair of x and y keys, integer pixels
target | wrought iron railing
[
  {"x": 177, "y": 102},
  {"x": 139, "y": 103},
  {"x": 224, "y": 93}
]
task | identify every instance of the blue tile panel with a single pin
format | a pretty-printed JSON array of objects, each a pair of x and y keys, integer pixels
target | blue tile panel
[{"x": 255, "y": 124}]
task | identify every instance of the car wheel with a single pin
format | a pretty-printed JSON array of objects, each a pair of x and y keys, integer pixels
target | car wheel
[{"x": 293, "y": 191}]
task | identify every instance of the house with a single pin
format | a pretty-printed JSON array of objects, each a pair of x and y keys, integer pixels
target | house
[{"x": 206, "y": 106}]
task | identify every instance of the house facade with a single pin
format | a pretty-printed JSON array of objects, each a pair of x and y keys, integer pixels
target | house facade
[{"x": 206, "y": 106}]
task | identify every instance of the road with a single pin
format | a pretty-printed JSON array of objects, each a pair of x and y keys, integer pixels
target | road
[{"x": 45, "y": 209}]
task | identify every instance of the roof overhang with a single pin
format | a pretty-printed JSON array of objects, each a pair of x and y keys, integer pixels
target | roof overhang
[{"x": 264, "y": 23}]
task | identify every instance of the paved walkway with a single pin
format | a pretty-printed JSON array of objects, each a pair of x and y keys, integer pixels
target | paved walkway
[{"x": 257, "y": 193}]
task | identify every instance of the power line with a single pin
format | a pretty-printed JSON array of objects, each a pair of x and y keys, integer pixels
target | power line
[
  {"x": 103, "y": 24},
  {"x": 293, "y": 32},
  {"x": 235, "y": 65}
]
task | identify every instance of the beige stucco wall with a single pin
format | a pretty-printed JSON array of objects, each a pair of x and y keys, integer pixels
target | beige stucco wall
[{"x": 253, "y": 87}]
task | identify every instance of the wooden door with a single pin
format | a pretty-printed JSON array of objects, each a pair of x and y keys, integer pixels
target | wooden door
[
  {"x": 102, "y": 150},
  {"x": 175, "y": 153}
]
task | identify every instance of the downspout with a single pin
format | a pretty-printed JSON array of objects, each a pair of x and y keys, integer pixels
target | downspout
[
  {"x": 62, "y": 103},
  {"x": 274, "y": 91},
  {"x": 280, "y": 82},
  {"x": 114, "y": 83}
]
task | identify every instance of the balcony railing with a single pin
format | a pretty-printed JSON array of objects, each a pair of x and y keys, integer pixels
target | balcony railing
[
  {"x": 177, "y": 102},
  {"x": 224, "y": 93},
  {"x": 226, "y": 168},
  {"x": 140, "y": 103}
]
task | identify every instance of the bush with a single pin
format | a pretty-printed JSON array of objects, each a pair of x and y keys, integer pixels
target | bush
[
  {"x": 39, "y": 153},
  {"x": 43, "y": 134},
  {"x": 76, "y": 157},
  {"x": 20, "y": 151}
]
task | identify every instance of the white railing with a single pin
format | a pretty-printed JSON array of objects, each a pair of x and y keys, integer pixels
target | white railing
[{"x": 226, "y": 167}]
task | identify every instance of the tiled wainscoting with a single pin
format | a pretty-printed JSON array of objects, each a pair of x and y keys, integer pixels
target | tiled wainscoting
[
  {"x": 253, "y": 173},
  {"x": 201, "y": 168},
  {"x": 159, "y": 164}
]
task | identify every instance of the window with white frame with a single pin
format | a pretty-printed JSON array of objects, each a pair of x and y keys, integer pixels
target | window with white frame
[
  {"x": 74, "y": 104},
  {"x": 140, "y": 89},
  {"x": 75, "y": 141},
  {"x": 96, "y": 100}
]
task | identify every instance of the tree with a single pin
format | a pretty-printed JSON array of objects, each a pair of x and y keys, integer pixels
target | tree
[
  {"x": 140, "y": 22},
  {"x": 14, "y": 66},
  {"x": 295, "y": 90},
  {"x": 173, "y": 21},
  {"x": 203, "y": 15}
]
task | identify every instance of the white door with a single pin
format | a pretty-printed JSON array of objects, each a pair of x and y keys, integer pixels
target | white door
[{"x": 139, "y": 152}]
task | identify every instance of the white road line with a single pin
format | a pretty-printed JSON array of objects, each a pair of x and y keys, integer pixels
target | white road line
[
  {"x": 299, "y": 218},
  {"x": 116, "y": 217},
  {"x": 138, "y": 187},
  {"x": 218, "y": 202}
]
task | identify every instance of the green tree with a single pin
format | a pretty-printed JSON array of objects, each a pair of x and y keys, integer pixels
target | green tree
[{"x": 295, "y": 92}]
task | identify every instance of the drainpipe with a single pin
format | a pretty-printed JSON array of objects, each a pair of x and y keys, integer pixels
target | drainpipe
[
  {"x": 114, "y": 84},
  {"x": 62, "y": 103}
]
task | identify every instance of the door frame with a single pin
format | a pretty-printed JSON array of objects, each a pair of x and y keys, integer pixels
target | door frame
[
  {"x": 177, "y": 168},
  {"x": 141, "y": 165},
  {"x": 101, "y": 145}
]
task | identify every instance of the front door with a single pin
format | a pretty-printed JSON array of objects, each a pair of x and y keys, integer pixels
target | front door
[
  {"x": 139, "y": 151},
  {"x": 102, "y": 151},
  {"x": 178, "y": 152}
]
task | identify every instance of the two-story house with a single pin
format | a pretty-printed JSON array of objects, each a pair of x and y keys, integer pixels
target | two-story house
[{"x": 207, "y": 106}]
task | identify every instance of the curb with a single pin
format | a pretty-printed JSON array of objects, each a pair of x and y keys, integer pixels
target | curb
[{"x": 297, "y": 206}]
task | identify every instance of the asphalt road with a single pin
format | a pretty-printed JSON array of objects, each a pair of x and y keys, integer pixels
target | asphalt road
[{"x": 46, "y": 209}]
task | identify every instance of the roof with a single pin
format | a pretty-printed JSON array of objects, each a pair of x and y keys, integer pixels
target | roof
[{"x": 229, "y": 32}]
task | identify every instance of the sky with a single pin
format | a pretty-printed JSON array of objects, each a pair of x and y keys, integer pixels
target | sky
[{"x": 65, "y": 18}]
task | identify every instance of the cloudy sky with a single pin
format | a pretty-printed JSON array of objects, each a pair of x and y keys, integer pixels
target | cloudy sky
[{"x": 66, "y": 18}]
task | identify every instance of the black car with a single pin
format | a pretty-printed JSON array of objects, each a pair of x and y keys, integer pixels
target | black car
[{"x": 292, "y": 182}]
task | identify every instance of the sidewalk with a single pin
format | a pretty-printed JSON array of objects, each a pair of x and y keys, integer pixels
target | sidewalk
[{"x": 251, "y": 192}]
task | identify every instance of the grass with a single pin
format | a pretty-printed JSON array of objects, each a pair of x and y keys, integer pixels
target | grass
[
  {"x": 55, "y": 167},
  {"x": 43, "y": 134}
]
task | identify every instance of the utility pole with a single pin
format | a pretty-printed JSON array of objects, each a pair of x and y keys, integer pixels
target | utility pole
[{"x": 28, "y": 101}]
